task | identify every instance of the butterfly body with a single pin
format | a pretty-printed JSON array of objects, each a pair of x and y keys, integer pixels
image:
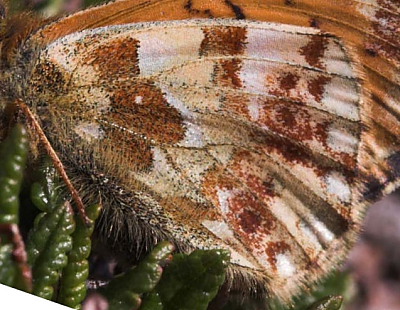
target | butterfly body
[{"x": 253, "y": 136}]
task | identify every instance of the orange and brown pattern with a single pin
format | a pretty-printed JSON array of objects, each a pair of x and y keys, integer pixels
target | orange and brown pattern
[
  {"x": 268, "y": 139},
  {"x": 255, "y": 141}
]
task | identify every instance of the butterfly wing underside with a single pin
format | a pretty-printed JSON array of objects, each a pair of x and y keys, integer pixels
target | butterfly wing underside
[
  {"x": 247, "y": 135},
  {"x": 370, "y": 28}
]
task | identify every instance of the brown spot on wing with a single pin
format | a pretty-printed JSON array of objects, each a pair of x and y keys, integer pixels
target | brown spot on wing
[
  {"x": 247, "y": 215},
  {"x": 286, "y": 84},
  {"x": 223, "y": 40},
  {"x": 116, "y": 59},
  {"x": 226, "y": 73},
  {"x": 314, "y": 51},
  {"x": 296, "y": 123},
  {"x": 249, "y": 221},
  {"x": 141, "y": 108},
  {"x": 316, "y": 87},
  {"x": 250, "y": 217},
  {"x": 275, "y": 248}
]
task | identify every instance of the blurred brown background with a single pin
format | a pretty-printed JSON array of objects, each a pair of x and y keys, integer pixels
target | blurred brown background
[{"x": 375, "y": 260}]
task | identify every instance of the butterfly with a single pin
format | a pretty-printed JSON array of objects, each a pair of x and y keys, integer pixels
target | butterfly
[{"x": 263, "y": 127}]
